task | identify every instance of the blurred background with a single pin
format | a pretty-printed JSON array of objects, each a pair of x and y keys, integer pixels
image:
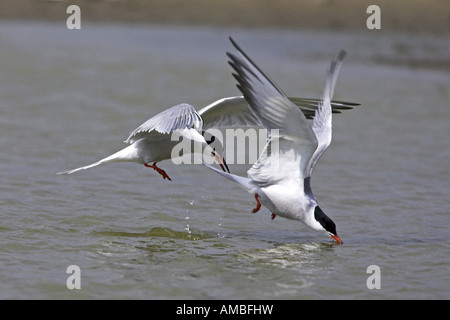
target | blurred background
[
  {"x": 70, "y": 97},
  {"x": 432, "y": 16}
]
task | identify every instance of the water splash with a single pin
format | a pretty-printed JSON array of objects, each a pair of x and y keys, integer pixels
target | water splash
[{"x": 191, "y": 202}]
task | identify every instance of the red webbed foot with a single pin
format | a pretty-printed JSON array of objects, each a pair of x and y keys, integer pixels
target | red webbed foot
[{"x": 159, "y": 170}]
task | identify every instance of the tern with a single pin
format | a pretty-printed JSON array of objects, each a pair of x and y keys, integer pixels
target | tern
[
  {"x": 281, "y": 177},
  {"x": 151, "y": 142}
]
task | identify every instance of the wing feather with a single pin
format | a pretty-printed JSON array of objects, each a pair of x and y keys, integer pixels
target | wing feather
[
  {"x": 234, "y": 111},
  {"x": 179, "y": 117},
  {"x": 322, "y": 123},
  {"x": 295, "y": 140}
]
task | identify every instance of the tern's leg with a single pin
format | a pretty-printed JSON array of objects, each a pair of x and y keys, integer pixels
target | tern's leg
[
  {"x": 273, "y": 216},
  {"x": 258, "y": 204},
  {"x": 159, "y": 170}
]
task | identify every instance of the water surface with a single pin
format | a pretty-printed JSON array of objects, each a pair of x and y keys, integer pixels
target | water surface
[{"x": 69, "y": 98}]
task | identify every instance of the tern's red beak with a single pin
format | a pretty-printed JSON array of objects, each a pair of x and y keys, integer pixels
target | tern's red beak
[
  {"x": 221, "y": 161},
  {"x": 338, "y": 240}
]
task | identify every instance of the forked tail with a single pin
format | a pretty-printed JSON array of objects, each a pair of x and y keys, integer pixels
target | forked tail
[{"x": 126, "y": 154}]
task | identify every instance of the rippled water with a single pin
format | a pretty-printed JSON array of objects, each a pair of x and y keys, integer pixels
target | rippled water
[{"x": 68, "y": 98}]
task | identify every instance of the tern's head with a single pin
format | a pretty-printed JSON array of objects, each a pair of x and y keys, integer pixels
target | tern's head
[{"x": 326, "y": 224}]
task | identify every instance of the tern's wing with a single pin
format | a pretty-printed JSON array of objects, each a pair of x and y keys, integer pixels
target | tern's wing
[
  {"x": 228, "y": 112},
  {"x": 234, "y": 112},
  {"x": 309, "y": 105},
  {"x": 292, "y": 141},
  {"x": 322, "y": 123},
  {"x": 176, "y": 118}
]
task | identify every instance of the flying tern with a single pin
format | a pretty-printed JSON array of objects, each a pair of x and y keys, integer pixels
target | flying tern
[{"x": 281, "y": 177}]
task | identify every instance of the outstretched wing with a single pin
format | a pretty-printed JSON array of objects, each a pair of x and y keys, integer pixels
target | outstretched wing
[
  {"x": 179, "y": 117},
  {"x": 292, "y": 141},
  {"x": 234, "y": 112},
  {"x": 322, "y": 123},
  {"x": 228, "y": 112}
]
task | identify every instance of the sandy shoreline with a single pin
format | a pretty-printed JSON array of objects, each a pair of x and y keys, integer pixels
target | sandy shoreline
[{"x": 412, "y": 16}]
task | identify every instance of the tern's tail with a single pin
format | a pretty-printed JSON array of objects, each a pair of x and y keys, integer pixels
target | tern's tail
[
  {"x": 126, "y": 154},
  {"x": 242, "y": 181},
  {"x": 81, "y": 168}
]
